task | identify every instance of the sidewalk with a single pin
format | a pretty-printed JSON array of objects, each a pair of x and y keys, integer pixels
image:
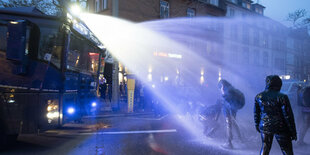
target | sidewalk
[
  {"x": 72, "y": 129},
  {"x": 108, "y": 114},
  {"x": 90, "y": 126}
]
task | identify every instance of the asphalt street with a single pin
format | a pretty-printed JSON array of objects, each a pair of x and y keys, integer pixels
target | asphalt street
[{"x": 135, "y": 135}]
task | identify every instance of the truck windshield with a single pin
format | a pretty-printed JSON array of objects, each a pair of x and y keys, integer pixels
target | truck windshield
[
  {"x": 49, "y": 51},
  {"x": 82, "y": 56}
]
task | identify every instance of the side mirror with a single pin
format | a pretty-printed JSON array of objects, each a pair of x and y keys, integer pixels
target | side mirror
[{"x": 16, "y": 40}]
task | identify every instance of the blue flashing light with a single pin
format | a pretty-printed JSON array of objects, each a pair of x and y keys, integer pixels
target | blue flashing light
[
  {"x": 71, "y": 110},
  {"x": 94, "y": 104}
]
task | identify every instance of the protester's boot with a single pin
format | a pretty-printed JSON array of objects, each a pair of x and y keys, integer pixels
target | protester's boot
[{"x": 228, "y": 145}]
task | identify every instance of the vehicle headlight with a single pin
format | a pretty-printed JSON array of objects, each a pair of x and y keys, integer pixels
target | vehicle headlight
[
  {"x": 52, "y": 115},
  {"x": 52, "y": 107}
]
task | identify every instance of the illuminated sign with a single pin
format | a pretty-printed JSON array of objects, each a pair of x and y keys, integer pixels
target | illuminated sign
[
  {"x": 285, "y": 77},
  {"x": 169, "y": 55},
  {"x": 93, "y": 54}
]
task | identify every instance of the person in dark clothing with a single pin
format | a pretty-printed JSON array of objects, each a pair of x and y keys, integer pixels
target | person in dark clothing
[
  {"x": 103, "y": 89},
  {"x": 110, "y": 92},
  {"x": 274, "y": 117},
  {"x": 232, "y": 100},
  {"x": 305, "y": 114}
]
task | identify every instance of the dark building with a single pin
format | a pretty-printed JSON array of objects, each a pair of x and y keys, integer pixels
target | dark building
[{"x": 137, "y": 10}]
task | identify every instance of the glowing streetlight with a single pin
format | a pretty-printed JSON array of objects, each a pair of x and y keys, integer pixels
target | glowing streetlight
[{"x": 75, "y": 10}]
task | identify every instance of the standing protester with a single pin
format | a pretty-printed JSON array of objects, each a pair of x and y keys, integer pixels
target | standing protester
[
  {"x": 110, "y": 92},
  {"x": 232, "y": 100},
  {"x": 103, "y": 89},
  {"x": 273, "y": 116},
  {"x": 305, "y": 113}
]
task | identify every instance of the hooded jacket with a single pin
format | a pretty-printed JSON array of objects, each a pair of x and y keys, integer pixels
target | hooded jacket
[{"x": 272, "y": 111}]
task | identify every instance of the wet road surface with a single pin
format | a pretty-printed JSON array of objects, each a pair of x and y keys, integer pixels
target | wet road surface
[{"x": 132, "y": 136}]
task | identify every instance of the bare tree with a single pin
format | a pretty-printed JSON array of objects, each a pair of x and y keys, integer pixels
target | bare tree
[
  {"x": 49, "y": 7},
  {"x": 299, "y": 18}
]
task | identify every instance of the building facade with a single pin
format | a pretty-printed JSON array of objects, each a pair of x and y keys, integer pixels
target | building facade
[
  {"x": 264, "y": 44},
  {"x": 138, "y": 11},
  {"x": 146, "y": 10},
  {"x": 250, "y": 42}
]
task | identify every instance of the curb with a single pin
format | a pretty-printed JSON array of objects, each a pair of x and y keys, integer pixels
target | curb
[{"x": 118, "y": 115}]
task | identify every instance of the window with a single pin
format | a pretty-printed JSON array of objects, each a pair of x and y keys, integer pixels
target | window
[
  {"x": 83, "y": 3},
  {"x": 290, "y": 43},
  {"x": 245, "y": 58},
  {"x": 48, "y": 51},
  {"x": 74, "y": 54},
  {"x": 256, "y": 57},
  {"x": 256, "y": 38},
  {"x": 265, "y": 59},
  {"x": 231, "y": 12},
  {"x": 259, "y": 11},
  {"x": 279, "y": 63},
  {"x": 82, "y": 56},
  {"x": 244, "y": 4},
  {"x": 104, "y": 4},
  {"x": 164, "y": 9},
  {"x": 234, "y": 32},
  {"x": 248, "y": 5},
  {"x": 234, "y": 1},
  {"x": 290, "y": 59},
  {"x": 245, "y": 34},
  {"x": 94, "y": 62},
  {"x": 274, "y": 44},
  {"x": 214, "y": 2},
  {"x": 265, "y": 40},
  {"x": 234, "y": 54},
  {"x": 3, "y": 32},
  {"x": 190, "y": 12},
  {"x": 97, "y": 6}
]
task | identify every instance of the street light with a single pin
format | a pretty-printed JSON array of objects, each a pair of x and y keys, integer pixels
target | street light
[{"x": 75, "y": 10}]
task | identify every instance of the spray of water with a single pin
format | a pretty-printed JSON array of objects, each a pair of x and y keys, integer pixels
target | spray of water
[{"x": 181, "y": 60}]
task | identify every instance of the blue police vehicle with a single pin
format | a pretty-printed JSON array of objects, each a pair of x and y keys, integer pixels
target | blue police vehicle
[{"x": 49, "y": 70}]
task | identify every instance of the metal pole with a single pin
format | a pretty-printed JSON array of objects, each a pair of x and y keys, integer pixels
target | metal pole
[{"x": 115, "y": 78}]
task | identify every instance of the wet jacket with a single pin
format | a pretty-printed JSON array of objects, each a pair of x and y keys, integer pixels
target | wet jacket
[
  {"x": 306, "y": 100},
  {"x": 272, "y": 111}
]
